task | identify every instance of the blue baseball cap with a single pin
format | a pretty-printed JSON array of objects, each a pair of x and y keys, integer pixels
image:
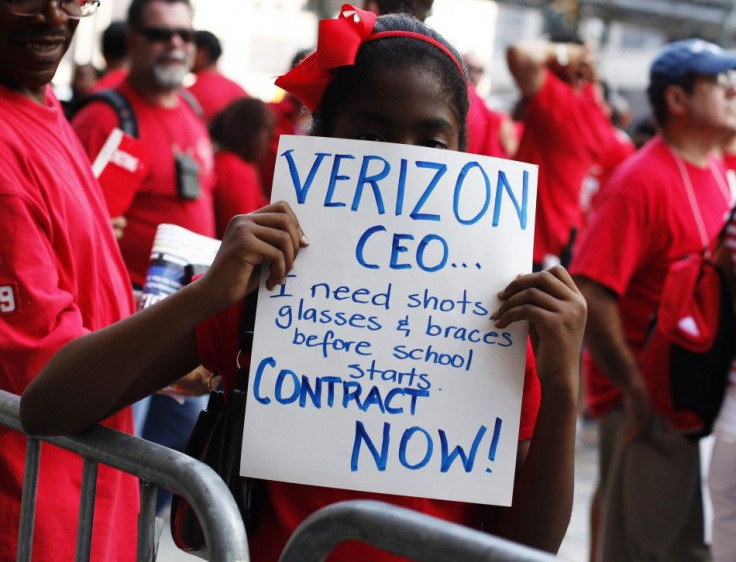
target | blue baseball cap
[{"x": 690, "y": 56}]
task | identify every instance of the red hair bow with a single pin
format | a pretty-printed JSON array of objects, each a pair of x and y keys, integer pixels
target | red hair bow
[{"x": 337, "y": 45}]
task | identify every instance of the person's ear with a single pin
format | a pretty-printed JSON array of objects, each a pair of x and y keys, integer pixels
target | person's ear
[{"x": 676, "y": 99}]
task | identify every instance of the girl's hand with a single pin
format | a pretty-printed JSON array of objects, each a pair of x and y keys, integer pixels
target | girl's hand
[
  {"x": 556, "y": 312},
  {"x": 269, "y": 236}
]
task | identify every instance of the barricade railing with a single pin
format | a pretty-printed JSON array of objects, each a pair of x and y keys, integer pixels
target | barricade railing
[
  {"x": 155, "y": 466},
  {"x": 400, "y": 531}
]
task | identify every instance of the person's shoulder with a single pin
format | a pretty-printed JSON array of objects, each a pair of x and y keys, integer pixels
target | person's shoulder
[
  {"x": 96, "y": 110},
  {"x": 649, "y": 170},
  {"x": 217, "y": 77},
  {"x": 227, "y": 159},
  {"x": 229, "y": 164}
]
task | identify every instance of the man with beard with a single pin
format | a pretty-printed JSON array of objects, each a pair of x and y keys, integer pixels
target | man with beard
[
  {"x": 178, "y": 186},
  {"x": 61, "y": 277},
  {"x": 177, "y": 189}
]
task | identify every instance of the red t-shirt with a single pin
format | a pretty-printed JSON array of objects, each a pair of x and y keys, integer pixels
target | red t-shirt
[
  {"x": 238, "y": 189},
  {"x": 164, "y": 132},
  {"x": 564, "y": 133},
  {"x": 643, "y": 222},
  {"x": 484, "y": 127},
  {"x": 61, "y": 276},
  {"x": 618, "y": 149},
  {"x": 729, "y": 160},
  {"x": 289, "y": 504},
  {"x": 111, "y": 79},
  {"x": 215, "y": 91}
]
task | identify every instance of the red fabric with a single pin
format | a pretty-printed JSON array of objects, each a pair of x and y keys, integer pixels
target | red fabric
[
  {"x": 290, "y": 504},
  {"x": 162, "y": 130},
  {"x": 643, "y": 223},
  {"x": 338, "y": 43},
  {"x": 287, "y": 123},
  {"x": 214, "y": 92},
  {"x": 484, "y": 127},
  {"x": 121, "y": 177},
  {"x": 59, "y": 256},
  {"x": 110, "y": 80},
  {"x": 565, "y": 132},
  {"x": 616, "y": 151},
  {"x": 238, "y": 189},
  {"x": 729, "y": 160}
]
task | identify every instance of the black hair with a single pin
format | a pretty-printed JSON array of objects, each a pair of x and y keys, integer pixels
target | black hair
[
  {"x": 97, "y": 71},
  {"x": 658, "y": 83},
  {"x": 397, "y": 53},
  {"x": 566, "y": 36},
  {"x": 411, "y": 7},
  {"x": 236, "y": 127},
  {"x": 135, "y": 10},
  {"x": 115, "y": 41},
  {"x": 643, "y": 130},
  {"x": 299, "y": 56},
  {"x": 210, "y": 42}
]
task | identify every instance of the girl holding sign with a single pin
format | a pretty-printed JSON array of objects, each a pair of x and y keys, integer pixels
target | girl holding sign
[{"x": 388, "y": 79}]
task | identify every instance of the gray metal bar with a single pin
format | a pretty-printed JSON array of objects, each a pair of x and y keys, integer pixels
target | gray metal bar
[
  {"x": 400, "y": 531},
  {"x": 198, "y": 483},
  {"x": 147, "y": 523},
  {"x": 28, "y": 500},
  {"x": 86, "y": 511}
]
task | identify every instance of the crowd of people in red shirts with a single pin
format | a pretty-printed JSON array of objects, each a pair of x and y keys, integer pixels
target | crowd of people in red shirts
[{"x": 613, "y": 213}]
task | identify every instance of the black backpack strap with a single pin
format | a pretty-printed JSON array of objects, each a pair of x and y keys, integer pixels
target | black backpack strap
[
  {"x": 126, "y": 118},
  {"x": 729, "y": 218},
  {"x": 246, "y": 339},
  {"x": 192, "y": 102}
]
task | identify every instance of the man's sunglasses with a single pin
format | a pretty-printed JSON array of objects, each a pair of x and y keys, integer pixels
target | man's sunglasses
[{"x": 165, "y": 34}]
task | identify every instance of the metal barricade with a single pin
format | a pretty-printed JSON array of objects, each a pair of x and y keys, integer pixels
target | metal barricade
[
  {"x": 155, "y": 466},
  {"x": 401, "y": 531}
]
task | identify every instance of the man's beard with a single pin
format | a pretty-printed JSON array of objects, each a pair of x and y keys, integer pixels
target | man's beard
[{"x": 170, "y": 77}]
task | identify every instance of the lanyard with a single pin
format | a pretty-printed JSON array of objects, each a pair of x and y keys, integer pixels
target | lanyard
[{"x": 694, "y": 206}]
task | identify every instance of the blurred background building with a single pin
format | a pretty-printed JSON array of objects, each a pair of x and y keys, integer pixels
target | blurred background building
[{"x": 260, "y": 36}]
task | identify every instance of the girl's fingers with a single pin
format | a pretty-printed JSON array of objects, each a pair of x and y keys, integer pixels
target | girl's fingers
[
  {"x": 281, "y": 213},
  {"x": 266, "y": 237},
  {"x": 545, "y": 297},
  {"x": 534, "y": 311},
  {"x": 555, "y": 281}
]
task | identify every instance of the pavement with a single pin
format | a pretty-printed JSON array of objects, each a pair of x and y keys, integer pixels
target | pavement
[{"x": 576, "y": 542}]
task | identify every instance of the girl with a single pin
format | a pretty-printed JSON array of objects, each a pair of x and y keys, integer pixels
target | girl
[
  {"x": 389, "y": 79},
  {"x": 240, "y": 134}
]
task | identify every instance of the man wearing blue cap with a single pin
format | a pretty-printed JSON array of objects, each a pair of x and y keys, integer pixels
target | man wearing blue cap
[{"x": 667, "y": 200}]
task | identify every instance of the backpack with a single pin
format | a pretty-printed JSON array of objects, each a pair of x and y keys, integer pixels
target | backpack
[
  {"x": 216, "y": 439},
  {"x": 126, "y": 117},
  {"x": 690, "y": 346}
]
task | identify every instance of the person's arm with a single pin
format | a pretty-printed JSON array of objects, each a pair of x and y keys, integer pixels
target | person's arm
[
  {"x": 542, "y": 500},
  {"x": 528, "y": 61},
  {"x": 509, "y": 136},
  {"x": 605, "y": 339},
  {"x": 95, "y": 375}
]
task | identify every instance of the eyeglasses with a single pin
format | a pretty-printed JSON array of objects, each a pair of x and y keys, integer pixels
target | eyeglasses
[
  {"x": 164, "y": 34},
  {"x": 74, "y": 9}
]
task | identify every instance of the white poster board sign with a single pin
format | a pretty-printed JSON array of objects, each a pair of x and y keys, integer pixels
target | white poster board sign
[{"x": 376, "y": 366}]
